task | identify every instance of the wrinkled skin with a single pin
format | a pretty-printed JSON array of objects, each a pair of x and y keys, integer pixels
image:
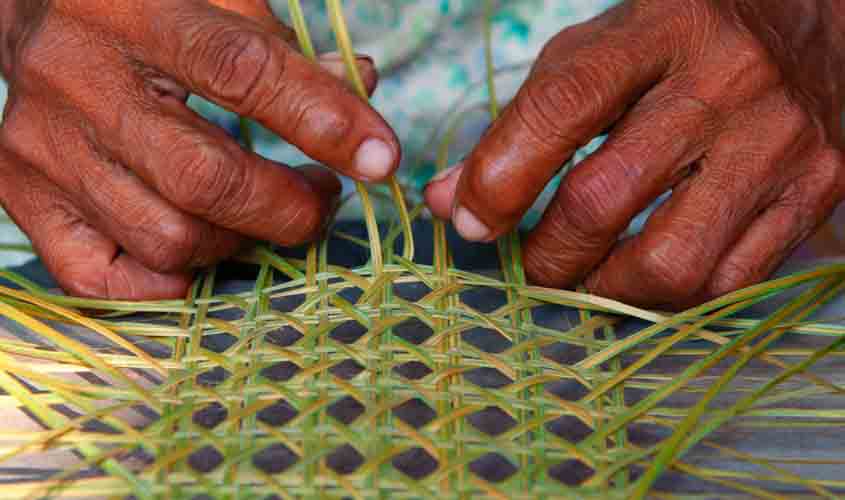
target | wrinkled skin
[
  {"x": 121, "y": 187},
  {"x": 734, "y": 105}
]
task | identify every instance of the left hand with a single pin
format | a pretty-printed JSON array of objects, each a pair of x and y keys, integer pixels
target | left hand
[{"x": 732, "y": 105}]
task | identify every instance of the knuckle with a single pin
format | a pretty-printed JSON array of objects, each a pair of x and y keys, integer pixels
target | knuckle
[
  {"x": 693, "y": 16},
  {"x": 831, "y": 174},
  {"x": 540, "y": 110},
  {"x": 733, "y": 275},
  {"x": 671, "y": 269},
  {"x": 35, "y": 49},
  {"x": 229, "y": 63},
  {"x": 547, "y": 263},
  {"x": 301, "y": 222},
  {"x": 33, "y": 64},
  {"x": 799, "y": 200},
  {"x": 173, "y": 245},
  {"x": 318, "y": 122},
  {"x": 697, "y": 112},
  {"x": 12, "y": 131},
  {"x": 798, "y": 122},
  {"x": 832, "y": 161},
  {"x": 754, "y": 62},
  {"x": 559, "y": 253},
  {"x": 836, "y": 161},
  {"x": 821, "y": 186},
  {"x": 817, "y": 192},
  {"x": 585, "y": 203},
  {"x": 207, "y": 179},
  {"x": 308, "y": 224},
  {"x": 539, "y": 268}
]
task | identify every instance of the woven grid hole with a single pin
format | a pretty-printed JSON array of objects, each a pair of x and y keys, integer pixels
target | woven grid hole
[
  {"x": 348, "y": 332},
  {"x": 572, "y": 472},
  {"x": 275, "y": 459},
  {"x": 413, "y": 370},
  {"x": 415, "y": 412},
  {"x": 415, "y": 463},
  {"x": 277, "y": 414},
  {"x": 285, "y": 336},
  {"x": 213, "y": 377},
  {"x": 347, "y": 369},
  {"x": 346, "y": 410},
  {"x": 206, "y": 459},
  {"x": 492, "y": 421},
  {"x": 570, "y": 428},
  {"x": 345, "y": 460},
  {"x": 281, "y": 371},
  {"x": 210, "y": 416},
  {"x": 487, "y": 340},
  {"x": 413, "y": 330},
  {"x": 488, "y": 377},
  {"x": 493, "y": 467}
]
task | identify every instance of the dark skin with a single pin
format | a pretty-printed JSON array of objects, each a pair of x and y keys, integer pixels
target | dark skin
[
  {"x": 121, "y": 187},
  {"x": 732, "y": 104}
]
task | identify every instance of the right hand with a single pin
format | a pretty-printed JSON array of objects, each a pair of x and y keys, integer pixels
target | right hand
[{"x": 123, "y": 189}]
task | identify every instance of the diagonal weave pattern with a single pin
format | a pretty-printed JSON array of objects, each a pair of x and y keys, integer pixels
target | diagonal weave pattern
[
  {"x": 361, "y": 398},
  {"x": 403, "y": 380}
]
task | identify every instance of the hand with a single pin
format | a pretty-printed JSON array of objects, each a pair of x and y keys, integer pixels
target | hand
[
  {"x": 121, "y": 187},
  {"x": 734, "y": 105}
]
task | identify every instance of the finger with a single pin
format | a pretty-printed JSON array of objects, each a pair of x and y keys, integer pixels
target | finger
[
  {"x": 568, "y": 100},
  {"x": 234, "y": 62},
  {"x": 440, "y": 191},
  {"x": 261, "y": 12},
  {"x": 200, "y": 170},
  {"x": 84, "y": 261},
  {"x": 743, "y": 173},
  {"x": 258, "y": 11},
  {"x": 646, "y": 154},
  {"x": 118, "y": 203},
  {"x": 800, "y": 211},
  {"x": 324, "y": 180},
  {"x": 146, "y": 226},
  {"x": 334, "y": 63}
]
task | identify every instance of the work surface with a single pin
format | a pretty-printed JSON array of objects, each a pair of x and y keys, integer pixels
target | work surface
[{"x": 819, "y": 445}]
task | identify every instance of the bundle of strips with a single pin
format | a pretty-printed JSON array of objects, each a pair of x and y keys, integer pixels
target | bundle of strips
[{"x": 403, "y": 380}]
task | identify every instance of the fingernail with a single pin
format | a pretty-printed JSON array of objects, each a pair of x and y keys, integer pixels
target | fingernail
[
  {"x": 337, "y": 56},
  {"x": 445, "y": 174},
  {"x": 374, "y": 159},
  {"x": 469, "y": 226},
  {"x": 333, "y": 63}
]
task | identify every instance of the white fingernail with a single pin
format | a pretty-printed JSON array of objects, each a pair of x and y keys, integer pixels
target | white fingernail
[
  {"x": 331, "y": 56},
  {"x": 337, "y": 56},
  {"x": 336, "y": 68},
  {"x": 374, "y": 159},
  {"x": 445, "y": 174},
  {"x": 469, "y": 226}
]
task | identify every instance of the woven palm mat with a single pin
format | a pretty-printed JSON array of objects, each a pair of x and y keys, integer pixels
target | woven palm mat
[{"x": 289, "y": 396}]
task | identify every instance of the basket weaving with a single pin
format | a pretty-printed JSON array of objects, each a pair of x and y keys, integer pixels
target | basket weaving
[{"x": 398, "y": 379}]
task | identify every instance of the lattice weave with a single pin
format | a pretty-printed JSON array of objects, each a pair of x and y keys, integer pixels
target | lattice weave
[{"x": 299, "y": 404}]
